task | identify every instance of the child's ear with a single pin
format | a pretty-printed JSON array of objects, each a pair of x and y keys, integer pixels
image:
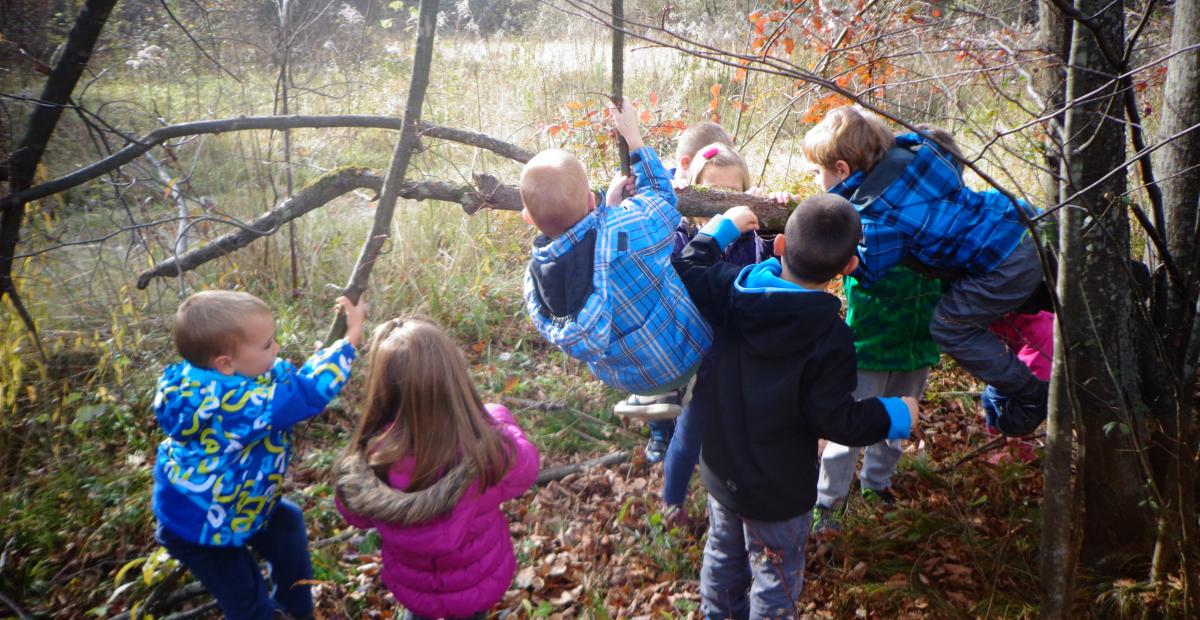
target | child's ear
[
  {"x": 851, "y": 265},
  {"x": 780, "y": 245},
  {"x": 527, "y": 217},
  {"x": 684, "y": 162},
  {"x": 591, "y": 202},
  {"x": 842, "y": 169},
  {"x": 223, "y": 364}
]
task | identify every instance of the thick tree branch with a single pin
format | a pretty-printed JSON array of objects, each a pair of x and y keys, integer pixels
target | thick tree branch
[
  {"x": 134, "y": 149},
  {"x": 409, "y": 139}
]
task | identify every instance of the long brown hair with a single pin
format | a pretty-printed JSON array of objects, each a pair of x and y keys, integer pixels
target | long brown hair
[{"x": 420, "y": 402}]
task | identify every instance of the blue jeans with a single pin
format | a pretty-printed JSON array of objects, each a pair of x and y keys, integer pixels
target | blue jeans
[
  {"x": 752, "y": 569},
  {"x": 684, "y": 452},
  {"x": 993, "y": 402},
  {"x": 232, "y": 575}
]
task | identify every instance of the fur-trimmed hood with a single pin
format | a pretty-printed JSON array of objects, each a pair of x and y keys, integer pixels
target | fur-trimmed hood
[{"x": 365, "y": 494}]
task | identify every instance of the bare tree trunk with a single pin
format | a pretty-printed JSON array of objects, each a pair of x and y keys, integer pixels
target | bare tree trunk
[
  {"x": 409, "y": 135},
  {"x": 285, "y": 79},
  {"x": 1098, "y": 321},
  {"x": 618, "y": 75},
  {"x": 1054, "y": 33},
  {"x": 24, "y": 162},
  {"x": 1175, "y": 309}
]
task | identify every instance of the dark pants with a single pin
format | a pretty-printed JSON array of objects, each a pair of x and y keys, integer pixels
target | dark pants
[
  {"x": 232, "y": 575},
  {"x": 962, "y": 318},
  {"x": 684, "y": 452}
]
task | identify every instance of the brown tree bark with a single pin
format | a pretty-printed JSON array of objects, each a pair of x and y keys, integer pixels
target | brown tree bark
[
  {"x": 1099, "y": 311},
  {"x": 24, "y": 162}
]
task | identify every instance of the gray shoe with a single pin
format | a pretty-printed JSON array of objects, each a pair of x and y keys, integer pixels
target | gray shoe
[{"x": 660, "y": 407}]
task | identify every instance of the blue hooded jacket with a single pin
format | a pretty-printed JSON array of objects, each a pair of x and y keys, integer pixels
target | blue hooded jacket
[{"x": 219, "y": 472}]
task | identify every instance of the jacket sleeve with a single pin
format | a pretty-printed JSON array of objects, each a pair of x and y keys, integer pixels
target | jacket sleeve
[
  {"x": 301, "y": 394},
  {"x": 653, "y": 194},
  {"x": 708, "y": 279},
  {"x": 523, "y": 467},
  {"x": 883, "y": 247},
  {"x": 832, "y": 411}
]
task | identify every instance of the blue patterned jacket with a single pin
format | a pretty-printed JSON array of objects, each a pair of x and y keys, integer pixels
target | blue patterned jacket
[
  {"x": 605, "y": 292},
  {"x": 219, "y": 472},
  {"x": 923, "y": 209}
]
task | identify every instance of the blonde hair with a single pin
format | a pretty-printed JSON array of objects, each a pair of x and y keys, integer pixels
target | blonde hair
[
  {"x": 420, "y": 402},
  {"x": 554, "y": 191},
  {"x": 211, "y": 323},
  {"x": 850, "y": 134},
  {"x": 715, "y": 155},
  {"x": 699, "y": 135}
]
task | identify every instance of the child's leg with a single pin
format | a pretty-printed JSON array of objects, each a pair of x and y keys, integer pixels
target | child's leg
[
  {"x": 283, "y": 542},
  {"x": 684, "y": 453},
  {"x": 838, "y": 462},
  {"x": 725, "y": 576},
  {"x": 230, "y": 574},
  {"x": 776, "y": 550},
  {"x": 880, "y": 461},
  {"x": 961, "y": 320}
]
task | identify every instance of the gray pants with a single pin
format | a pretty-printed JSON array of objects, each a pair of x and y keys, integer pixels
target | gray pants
[
  {"x": 838, "y": 461},
  {"x": 752, "y": 569},
  {"x": 962, "y": 318}
]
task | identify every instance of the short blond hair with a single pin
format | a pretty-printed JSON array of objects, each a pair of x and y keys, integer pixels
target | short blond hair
[
  {"x": 554, "y": 191},
  {"x": 850, "y": 134},
  {"x": 699, "y": 135},
  {"x": 718, "y": 154},
  {"x": 210, "y": 323}
]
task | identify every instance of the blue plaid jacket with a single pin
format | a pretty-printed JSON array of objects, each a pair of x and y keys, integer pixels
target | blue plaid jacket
[
  {"x": 927, "y": 212},
  {"x": 605, "y": 292}
]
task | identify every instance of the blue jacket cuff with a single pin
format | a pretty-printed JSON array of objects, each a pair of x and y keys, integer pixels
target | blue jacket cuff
[
  {"x": 723, "y": 230},
  {"x": 898, "y": 412}
]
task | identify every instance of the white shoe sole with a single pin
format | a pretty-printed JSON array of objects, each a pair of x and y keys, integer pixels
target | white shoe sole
[{"x": 648, "y": 412}]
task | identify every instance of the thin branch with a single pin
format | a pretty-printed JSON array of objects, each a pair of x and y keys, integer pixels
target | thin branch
[{"x": 197, "y": 43}]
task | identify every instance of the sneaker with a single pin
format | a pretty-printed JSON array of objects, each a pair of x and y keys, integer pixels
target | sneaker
[
  {"x": 883, "y": 496},
  {"x": 825, "y": 519},
  {"x": 656, "y": 448},
  {"x": 1021, "y": 416},
  {"x": 660, "y": 407}
]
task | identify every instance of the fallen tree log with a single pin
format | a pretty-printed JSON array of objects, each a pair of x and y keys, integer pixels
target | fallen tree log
[
  {"x": 558, "y": 473},
  {"x": 488, "y": 192}
]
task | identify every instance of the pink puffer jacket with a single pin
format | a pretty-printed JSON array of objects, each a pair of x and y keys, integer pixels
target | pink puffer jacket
[
  {"x": 1031, "y": 336},
  {"x": 462, "y": 562}
]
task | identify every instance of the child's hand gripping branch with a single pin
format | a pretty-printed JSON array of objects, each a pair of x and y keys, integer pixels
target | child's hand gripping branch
[
  {"x": 626, "y": 121},
  {"x": 914, "y": 416},
  {"x": 356, "y": 314}
]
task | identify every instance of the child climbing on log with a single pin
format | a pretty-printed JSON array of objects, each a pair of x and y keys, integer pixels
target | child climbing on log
[
  {"x": 600, "y": 284},
  {"x": 428, "y": 466},
  {"x": 916, "y": 210},
  {"x": 227, "y": 411}
]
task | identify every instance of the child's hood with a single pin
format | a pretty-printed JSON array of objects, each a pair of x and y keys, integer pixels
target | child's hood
[
  {"x": 777, "y": 317},
  {"x": 432, "y": 521}
]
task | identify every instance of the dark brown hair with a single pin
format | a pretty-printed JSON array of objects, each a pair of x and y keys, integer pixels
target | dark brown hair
[{"x": 822, "y": 236}]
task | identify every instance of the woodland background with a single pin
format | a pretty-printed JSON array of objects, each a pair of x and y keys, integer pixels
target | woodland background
[{"x": 1087, "y": 109}]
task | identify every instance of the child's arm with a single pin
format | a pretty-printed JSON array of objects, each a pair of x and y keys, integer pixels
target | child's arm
[
  {"x": 301, "y": 394},
  {"x": 707, "y": 278},
  {"x": 882, "y": 248},
  {"x": 523, "y": 460},
  {"x": 834, "y": 414},
  {"x": 653, "y": 193}
]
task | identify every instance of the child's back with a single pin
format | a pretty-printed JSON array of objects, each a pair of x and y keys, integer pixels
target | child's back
[
  {"x": 429, "y": 466},
  {"x": 785, "y": 372},
  {"x": 603, "y": 289}
]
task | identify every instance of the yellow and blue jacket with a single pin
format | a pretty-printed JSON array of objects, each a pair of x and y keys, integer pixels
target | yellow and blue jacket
[{"x": 219, "y": 472}]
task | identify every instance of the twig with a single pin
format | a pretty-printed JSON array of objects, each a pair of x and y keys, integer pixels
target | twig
[
  {"x": 13, "y": 606},
  {"x": 197, "y": 43},
  {"x": 193, "y": 613},
  {"x": 558, "y": 473}
]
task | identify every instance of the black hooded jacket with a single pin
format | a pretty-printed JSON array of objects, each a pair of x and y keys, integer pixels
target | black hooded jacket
[{"x": 784, "y": 376}]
